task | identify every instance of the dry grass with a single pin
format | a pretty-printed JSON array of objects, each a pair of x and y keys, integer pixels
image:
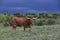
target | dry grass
[{"x": 49, "y": 32}]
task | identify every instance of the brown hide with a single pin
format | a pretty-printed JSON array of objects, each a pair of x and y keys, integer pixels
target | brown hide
[{"x": 25, "y": 22}]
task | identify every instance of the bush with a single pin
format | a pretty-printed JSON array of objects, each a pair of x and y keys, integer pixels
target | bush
[
  {"x": 45, "y": 22},
  {"x": 39, "y": 22},
  {"x": 58, "y": 21},
  {"x": 50, "y": 21},
  {"x": 6, "y": 24},
  {"x": 9, "y": 23}
]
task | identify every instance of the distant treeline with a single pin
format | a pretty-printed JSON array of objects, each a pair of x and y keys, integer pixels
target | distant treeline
[{"x": 35, "y": 15}]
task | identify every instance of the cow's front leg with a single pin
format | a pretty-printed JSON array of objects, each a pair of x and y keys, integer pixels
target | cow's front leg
[
  {"x": 30, "y": 28},
  {"x": 24, "y": 28},
  {"x": 14, "y": 28}
]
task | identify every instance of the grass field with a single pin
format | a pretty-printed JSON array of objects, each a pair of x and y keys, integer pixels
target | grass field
[{"x": 45, "y": 32}]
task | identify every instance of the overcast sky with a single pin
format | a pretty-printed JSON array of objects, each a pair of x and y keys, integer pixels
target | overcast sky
[{"x": 35, "y": 6}]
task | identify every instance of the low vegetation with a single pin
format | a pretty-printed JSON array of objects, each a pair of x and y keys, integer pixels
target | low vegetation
[
  {"x": 45, "y": 32},
  {"x": 41, "y": 19},
  {"x": 46, "y": 27}
]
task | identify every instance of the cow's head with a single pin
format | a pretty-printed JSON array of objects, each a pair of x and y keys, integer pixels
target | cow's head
[{"x": 32, "y": 20}]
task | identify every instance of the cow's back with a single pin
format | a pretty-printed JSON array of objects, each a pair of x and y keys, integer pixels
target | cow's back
[
  {"x": 18, "y": 21},
  {"x": 21, "y": 21}
]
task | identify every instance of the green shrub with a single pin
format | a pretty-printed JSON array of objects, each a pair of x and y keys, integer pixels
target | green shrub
[
  {"x": 39, "y": 22},
  {"x": 50, "y": 21},
  {"x": 9, "y": 23},
  {"x": 45, "y": 22},
  {"x": 58, "y": 21},
  {"x": 6, "y": 24}
]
